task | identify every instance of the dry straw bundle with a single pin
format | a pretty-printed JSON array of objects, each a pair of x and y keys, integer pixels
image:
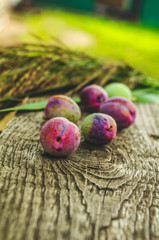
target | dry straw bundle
[{"x": 38, "y": 69}]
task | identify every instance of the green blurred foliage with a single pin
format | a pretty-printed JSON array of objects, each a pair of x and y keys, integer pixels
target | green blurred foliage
[{"x": 113, "y": 40}]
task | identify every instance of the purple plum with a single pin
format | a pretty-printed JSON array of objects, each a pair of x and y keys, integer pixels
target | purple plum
[
  {"x": 92, "y": 97},
  {"x": 62, "y": 106},
  {"x": 121, "y": 109},
  {"x": 99, "y": 128},
  {"x": 60, "y": 137}
]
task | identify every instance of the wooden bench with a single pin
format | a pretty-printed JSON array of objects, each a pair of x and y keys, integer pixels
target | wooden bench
[{"x": 109, "y": 192}]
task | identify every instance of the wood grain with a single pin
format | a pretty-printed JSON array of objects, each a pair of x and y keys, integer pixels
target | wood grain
[{"x": 101, "y": 193}]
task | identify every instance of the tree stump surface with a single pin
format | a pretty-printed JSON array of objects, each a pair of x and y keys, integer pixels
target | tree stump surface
[{"x": 109, "y": 192}]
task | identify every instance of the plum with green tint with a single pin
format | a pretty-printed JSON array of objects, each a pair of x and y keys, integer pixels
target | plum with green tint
[
  {"x": 92, "y": 97},
  {"x": 60, "y": 137},
  {"x": 118, "y": 89},
  {"x": 121, "y": 109},
  {"x": 99, "y": 128},
  {"x": 62, "y": 106}
]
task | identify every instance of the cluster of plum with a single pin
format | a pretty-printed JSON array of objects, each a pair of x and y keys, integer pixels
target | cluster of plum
[{"x": 60, "y": 136}]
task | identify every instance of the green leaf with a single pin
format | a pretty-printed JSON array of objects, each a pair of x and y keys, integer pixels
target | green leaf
[
  {"x": 149, "y": 98},
  {"x": 34, "y": 106},
  {"x": 145, "y": 96},
  {"x": 141, "y": 91},
  {"x": 30, "y": 106},
  {"x": 76, "y": 99}
]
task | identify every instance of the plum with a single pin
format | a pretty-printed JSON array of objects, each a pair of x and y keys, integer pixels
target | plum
[
  {"x": 99, "y": 128},
  {"x": 60, "y": 137},
  {"x": 118, "y": 89},
  {"x": 62, "y": 106},
  {"x": 92, "y": 96},
  {"x": 121, "y": 109}
]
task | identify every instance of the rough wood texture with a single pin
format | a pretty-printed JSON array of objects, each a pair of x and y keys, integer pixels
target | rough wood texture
[{"x": 95, "y": 193}]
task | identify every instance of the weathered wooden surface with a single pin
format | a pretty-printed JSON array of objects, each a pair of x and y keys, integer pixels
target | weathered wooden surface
[{"x": 110, "y": 193}]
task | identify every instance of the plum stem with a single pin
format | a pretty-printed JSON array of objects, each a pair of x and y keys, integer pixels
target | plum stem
[{"x": 58, "y": 139}]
